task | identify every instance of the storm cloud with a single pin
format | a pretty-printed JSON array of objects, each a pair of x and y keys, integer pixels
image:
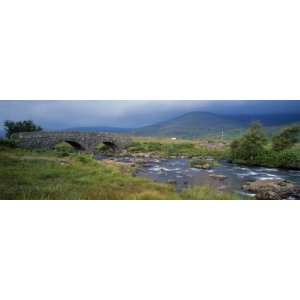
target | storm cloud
[{"x": 128, "y": 114}]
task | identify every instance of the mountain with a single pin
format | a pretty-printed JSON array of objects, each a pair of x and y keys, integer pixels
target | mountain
[
  {"x": 206, "y": 124},
  {"x": 201, "y": 124},
  {"x": 100, "y": 129}
]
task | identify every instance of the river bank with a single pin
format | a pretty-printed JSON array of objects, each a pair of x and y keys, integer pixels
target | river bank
[
  {"x": 26, "y": 174},
  {"x": 57, "y": 174},
  {"x": 209, "y": 162},
  {"x": 223, "y": 176}
]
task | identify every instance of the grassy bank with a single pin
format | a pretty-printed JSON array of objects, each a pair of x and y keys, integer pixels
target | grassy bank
[
  {"x": 189, "y": 148},
  {"x": 28, "y": 175},
  {"x": 47, "y": 175}
]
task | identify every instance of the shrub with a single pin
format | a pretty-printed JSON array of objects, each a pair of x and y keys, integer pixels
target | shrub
[
  {"x": 64, "y": 149},
  {"x": 289, "y": 158},
  {"x": 85, "y": 158},
  {"x": 201, "y": 162},
  {"x": 234, "y": 150},
  {"x": 63, "y": 154},
  {"x": 252, "y": 149},
  {"x": 268, "y": 158},
  {"x": 250, "y": 145},
  {"x": 104, "y": 149},
  {"x": 21, "y": 126},
  {"x": 286, "y": 138},
  {"x": 8, "y": 143}
]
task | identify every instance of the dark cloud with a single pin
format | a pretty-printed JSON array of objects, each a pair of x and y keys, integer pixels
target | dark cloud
[{"x": 63, "y": 114}]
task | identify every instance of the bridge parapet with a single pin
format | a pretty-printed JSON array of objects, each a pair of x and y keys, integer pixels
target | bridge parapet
[{"x": 87, "y": 141}]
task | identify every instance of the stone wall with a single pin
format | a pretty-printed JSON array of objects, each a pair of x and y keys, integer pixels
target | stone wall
[{"x": 87, "y": 141}]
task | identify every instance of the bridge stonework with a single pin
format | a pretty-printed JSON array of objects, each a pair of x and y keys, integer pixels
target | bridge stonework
[{"x": 86, "y": 141}]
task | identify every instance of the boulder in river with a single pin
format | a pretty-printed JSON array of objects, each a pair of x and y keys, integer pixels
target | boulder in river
[
  {"x": 218, "y": 177},
  {"x": 203, "y": 163},
  {"x": 273, "y": 189},
  {"x": 205, "y": 166},
  {"x": 140, "y": 160},
  {"x": 141, "y": 155}
]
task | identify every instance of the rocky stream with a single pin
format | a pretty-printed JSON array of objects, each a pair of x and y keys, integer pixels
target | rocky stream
[{"x": 249, "y": 182}]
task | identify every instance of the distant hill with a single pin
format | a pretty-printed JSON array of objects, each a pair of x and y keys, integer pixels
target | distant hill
[
  {"x": 206, "y": 124},
  {"x": 100, "y": 129},
  {"x": 201, "y": 124}
]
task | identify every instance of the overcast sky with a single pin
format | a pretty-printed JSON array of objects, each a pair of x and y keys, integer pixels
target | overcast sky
[{"x": 128, "y": 114}]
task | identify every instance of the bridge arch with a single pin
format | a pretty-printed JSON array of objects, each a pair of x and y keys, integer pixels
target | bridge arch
[
  {"x": 106, "y": 147},
  {"x": 75, "y": 145},
  {"x": 110, "y": 145}
]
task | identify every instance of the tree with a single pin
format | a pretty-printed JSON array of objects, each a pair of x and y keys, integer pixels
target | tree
[
  {"x": 21, "y": 126},
  {"x": 286, "y": 138},
  {"x": 250, "y": 144},
  {"x": 234, "y": 149}
]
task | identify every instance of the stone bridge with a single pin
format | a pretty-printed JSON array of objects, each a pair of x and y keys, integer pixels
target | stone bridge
[{"x": 84, "y": 141}]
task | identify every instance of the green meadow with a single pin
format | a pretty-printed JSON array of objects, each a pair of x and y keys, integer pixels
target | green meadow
[{"x": 165, "y": 147}]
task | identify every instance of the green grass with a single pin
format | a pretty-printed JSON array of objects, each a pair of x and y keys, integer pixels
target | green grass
[
  {"x": 78, "y": 177},
  {"x": 207, "y": 192},
  {"x": 167, "y": 148},
  {"x": 45, "y": 175}
]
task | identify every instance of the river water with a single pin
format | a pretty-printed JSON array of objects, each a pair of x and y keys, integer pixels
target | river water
[{"x": 179, "y": 173}]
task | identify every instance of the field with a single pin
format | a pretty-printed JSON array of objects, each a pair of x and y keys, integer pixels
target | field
[
  {"x": 181, "y": 147},
  {"x": 53, "y": 174}
]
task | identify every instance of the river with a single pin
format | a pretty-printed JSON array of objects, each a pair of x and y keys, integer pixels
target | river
[{"x": 178, "y": 172}]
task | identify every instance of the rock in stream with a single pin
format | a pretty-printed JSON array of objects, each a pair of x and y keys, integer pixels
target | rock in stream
[{"x": 273, "y": 189}]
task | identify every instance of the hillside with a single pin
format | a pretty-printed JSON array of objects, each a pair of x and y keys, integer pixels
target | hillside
[
  {"x": 100, "y": 129},
  {"x": 205, "y": 124},
  {"x": 199, "y": 125}
]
